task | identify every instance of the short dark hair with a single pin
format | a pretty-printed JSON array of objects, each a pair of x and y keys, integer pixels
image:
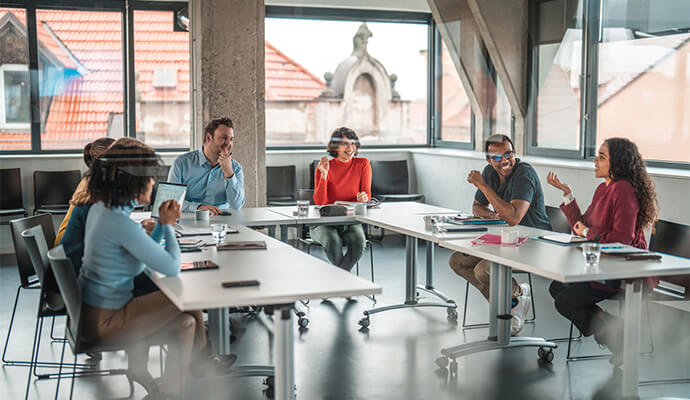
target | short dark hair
[
  {"x": 337, "y": 137},
  {"x": 94, "y": 149},
  {"x": 111, "y": 178},
  {"x": 214, "y": 124},
  {"x": 497, "y": 139}
]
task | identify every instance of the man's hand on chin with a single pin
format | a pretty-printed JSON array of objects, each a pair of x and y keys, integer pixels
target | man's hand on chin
[{"x": 225, "y": 161}]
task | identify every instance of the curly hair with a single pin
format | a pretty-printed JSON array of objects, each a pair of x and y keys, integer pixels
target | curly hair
[
  {"x": 626, "y": 164},
  {"x": 337, "y": 137},
  {"x": 115, "y": 177}
]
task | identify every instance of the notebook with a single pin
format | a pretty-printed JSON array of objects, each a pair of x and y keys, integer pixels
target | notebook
[
  {"x": 242, "y": 245},
  {"x": 564, "y": 238},
  {"x": 495, "y": 240}
]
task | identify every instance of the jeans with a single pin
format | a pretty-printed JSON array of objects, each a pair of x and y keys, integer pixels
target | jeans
[
  {"x": 477, "y": 272},
  {"x": 334, "y": 237}
]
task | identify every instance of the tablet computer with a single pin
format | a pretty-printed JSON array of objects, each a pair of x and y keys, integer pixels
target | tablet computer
[{"x": 167, "y": 191}]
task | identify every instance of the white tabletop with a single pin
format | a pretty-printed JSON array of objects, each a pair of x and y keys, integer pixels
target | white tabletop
[
  {"x": 313, "y": 217},
  {"x": 564, "y": 263},
  {"x": 285, "y": 275},
  {"x": 258, "y": 216}
]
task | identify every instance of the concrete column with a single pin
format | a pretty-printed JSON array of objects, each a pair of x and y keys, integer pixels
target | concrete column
[
  {"x": 228, "y": 50},
  {"x": 503, "y": 28}
]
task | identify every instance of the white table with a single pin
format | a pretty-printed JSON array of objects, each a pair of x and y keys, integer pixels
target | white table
[
  {"x": 253, "y": 217},
  {"x": 285, "y": 275},
  {"x": 563, "y": 264}
]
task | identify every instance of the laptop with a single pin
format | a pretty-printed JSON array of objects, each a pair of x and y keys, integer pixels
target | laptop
[{"x": 167, "y": 191}]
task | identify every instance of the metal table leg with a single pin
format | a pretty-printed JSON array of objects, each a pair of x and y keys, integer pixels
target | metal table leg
[
  {"x": 410, "y": 287},
  {"x": 499, "y": 324},
  {"x": 429, "y": 286},
  {"x": 631, "y": 339},
  {"x": 284, "y": 233},
  {"x": 284, "y": 356}
]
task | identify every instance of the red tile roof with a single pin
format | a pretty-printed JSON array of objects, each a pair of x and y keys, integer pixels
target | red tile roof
[{"x": 92, "y": 43}]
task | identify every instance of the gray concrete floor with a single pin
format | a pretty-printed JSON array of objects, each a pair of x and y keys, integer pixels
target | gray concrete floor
[{"x": 393, "y": 360}]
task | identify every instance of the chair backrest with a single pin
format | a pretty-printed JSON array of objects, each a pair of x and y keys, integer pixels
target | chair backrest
[
  {"x": 389, "y": 177},
  {"x": 11, "y": 189},
  {"x": 17, "y": 226},
  {"x": 36, "y": 245},
  {"x": 312, "y": 172},
  {"x": 281, "y": 183},
  {"x": 559, "y": 223},
  {"x": 71, "y": 294},
  {"x": 54, "y": 188},
  {"x": 306, "y": 194},
  {"x": 671, "y": 238}
]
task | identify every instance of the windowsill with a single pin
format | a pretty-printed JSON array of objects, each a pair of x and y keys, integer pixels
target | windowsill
[
  {"x": 165, "y": 154},
  {"x": 549, "y": 162}
]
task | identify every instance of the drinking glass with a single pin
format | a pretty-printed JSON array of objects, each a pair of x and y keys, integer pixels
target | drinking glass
[
  {"x": 218, "y": 232},
  {"x": 591, "y": 252}
]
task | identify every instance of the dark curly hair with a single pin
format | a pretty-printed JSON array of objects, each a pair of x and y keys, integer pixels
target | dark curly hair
[
  {"x": 120, "y": 174},
  {"x": 626, "y": 164},
  {"x": 94, "y": 149},
  {"x": 337, "y": 137}
]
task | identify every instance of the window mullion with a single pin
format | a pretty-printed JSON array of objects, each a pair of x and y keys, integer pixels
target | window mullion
[
  {"x": 590, "y": 77},
  {"x": 33, "y": 78}
]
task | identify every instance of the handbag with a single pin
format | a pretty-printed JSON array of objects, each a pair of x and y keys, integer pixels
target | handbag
[{"x": 333, "y": 210}]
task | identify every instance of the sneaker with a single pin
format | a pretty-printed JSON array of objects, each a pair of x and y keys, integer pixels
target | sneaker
[
  {"x": 518, "y": 312},
  {"x": 526, "y": 293}
]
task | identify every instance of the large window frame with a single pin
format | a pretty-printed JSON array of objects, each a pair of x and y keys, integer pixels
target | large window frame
[
  {"x": 129, "y": 91},
  {"x": 341, "y": 14},
  {"x": 591, "y": 29},
  {"x": 3, "y": 117}
]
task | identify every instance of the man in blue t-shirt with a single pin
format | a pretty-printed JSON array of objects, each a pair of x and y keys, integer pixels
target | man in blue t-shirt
[{"x": 507, "y": 189}]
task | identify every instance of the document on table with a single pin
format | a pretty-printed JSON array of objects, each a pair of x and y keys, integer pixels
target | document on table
[{"x": 564, "y": 238}]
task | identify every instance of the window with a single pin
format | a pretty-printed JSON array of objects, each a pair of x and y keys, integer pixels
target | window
[
  {"x": 554, "y": 105},
  {"x": 15, "y": 105},
  {"x": 644, "y": 77},
  {"x": 455, "y": 108},
  {"x": 161, "y": 59},
  {"x": 322, "y": 74}
]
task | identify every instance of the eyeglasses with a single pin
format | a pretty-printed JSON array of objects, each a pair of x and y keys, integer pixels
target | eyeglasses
[
  {"x": 508, "y": 155},
  {"x": 347, "y": 144}
]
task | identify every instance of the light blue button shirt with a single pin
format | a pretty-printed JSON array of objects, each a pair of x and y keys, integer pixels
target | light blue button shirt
[{"x": 206, "y": 184}]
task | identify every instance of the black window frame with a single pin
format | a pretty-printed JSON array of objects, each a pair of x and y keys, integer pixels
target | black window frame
[
  {"x": 126, "y": 9},
  {"x": 346, "y": 14}
]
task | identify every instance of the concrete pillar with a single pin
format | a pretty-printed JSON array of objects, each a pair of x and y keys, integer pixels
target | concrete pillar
[
  {"x": 503, "y": 27},
  {"x": 228, "y": 60}
]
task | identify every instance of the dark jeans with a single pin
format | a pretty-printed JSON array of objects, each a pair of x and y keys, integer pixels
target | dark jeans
[
  {"x": 578, "y": 303},
  {"x": 334, "y": 237}
]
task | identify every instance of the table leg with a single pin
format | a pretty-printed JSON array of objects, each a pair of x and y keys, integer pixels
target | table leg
[
  {"x": 284, "y": 356},
  {"x": 284, "y": 233},
  {"x": 500, "y": 292},
  {"x": 429, "y": 286},
  {"x": 631, "y": 339},
  {"x": 219, "y": 330},
  {"x": 410, "y": 287}
]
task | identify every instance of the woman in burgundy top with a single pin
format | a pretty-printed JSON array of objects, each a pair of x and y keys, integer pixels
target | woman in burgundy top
[{"x": 623, "y": 206}]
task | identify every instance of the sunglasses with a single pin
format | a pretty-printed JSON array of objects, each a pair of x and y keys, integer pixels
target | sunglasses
[{"x": 498, "y": 157}]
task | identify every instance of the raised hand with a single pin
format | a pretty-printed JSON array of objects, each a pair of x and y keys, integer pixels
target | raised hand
[
  {"x": 552, "y": 179},
  {"x": 323, "y": 166},
  {"x": 169, "y": 212},
  {"x": 476, "y": 178},
  {"x": 362, "y": 197},
  {"x": 579, "y": 228},
  {"x": 225, "y": 161}
]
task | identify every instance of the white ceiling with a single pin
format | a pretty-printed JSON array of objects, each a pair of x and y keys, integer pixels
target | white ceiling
[{"x": 393, "y": 5}]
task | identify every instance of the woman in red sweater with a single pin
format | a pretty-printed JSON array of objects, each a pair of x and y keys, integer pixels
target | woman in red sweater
[
  {"x": 342, "y": 178},
  {"x": 623, "y": 206}
]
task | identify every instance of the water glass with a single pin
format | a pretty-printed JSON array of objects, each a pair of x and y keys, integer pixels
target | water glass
[
  {"x": 509, "y": 236},
  {"x": 591, "y": 252},
  {"x": 218, "y": 232},
  {"x": 302, "y": 208}
]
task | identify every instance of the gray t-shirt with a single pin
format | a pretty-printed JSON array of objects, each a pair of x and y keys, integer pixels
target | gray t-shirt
[{"x": 522, "y": 184}]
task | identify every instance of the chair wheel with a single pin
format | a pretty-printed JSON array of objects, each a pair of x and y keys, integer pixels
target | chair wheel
[
  {"x": 452, "y": 315},
  {"x": 545, "y": 355},
  {"x": 303, "y": 322},
  {"x": 442, "y": 362},
  {"x": 365, "y": 322},
  {"x": 453, "y": 367},
  {"x": 300, "y": 314},
  {"x": 270, "y": 381},
  {"x": 270, "y": 392}
]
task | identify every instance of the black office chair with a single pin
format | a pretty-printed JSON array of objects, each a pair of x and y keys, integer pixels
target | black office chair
[
  {"x": 53, "y": 190},
  {"x": 11, "y": 200},
  {"x": 390, "y": 182},
  {"x": 281, "y": 184},
  {"x": 312, "y": 172},
  {"x": 559, "y": 223},
  {"x": 67, "y": 283},
  {"x": 28, "y": 278}
]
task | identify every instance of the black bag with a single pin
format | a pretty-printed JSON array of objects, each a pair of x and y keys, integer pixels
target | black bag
[{"x": 333, "y": 210}]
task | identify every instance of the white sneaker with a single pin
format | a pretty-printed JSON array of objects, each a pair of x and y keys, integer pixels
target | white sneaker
[
  {"x": 518, "y": 320},
  {"x": 527, "y": 294}
]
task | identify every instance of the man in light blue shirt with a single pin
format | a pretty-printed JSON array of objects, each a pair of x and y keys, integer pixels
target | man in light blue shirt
[{"x": 214, "y": 180}]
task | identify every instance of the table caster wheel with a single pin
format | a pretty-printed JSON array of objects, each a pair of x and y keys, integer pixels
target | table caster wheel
[
  {"x": 453, "y": 367},
  {"x": 303, "y": 322},
  {"x": 300, "y": 314},
  {"x": 442, "y": 362},
  {"x": 452, "y": 315},
  {"x": 545, "y": 355},
  {"x": 365, "y": 322}
]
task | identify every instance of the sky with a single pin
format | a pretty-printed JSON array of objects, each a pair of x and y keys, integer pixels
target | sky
[{"x": 320, "y": 46}]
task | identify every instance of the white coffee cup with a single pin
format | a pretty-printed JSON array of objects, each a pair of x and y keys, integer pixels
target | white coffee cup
[
  {"x": 202, "y": 215},
  {"x": 361, "y": 209},
  {"x": 509, "y": 236}
]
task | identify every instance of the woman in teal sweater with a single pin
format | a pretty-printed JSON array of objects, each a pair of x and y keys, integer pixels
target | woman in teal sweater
[{"x": 115, "y": 251}]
